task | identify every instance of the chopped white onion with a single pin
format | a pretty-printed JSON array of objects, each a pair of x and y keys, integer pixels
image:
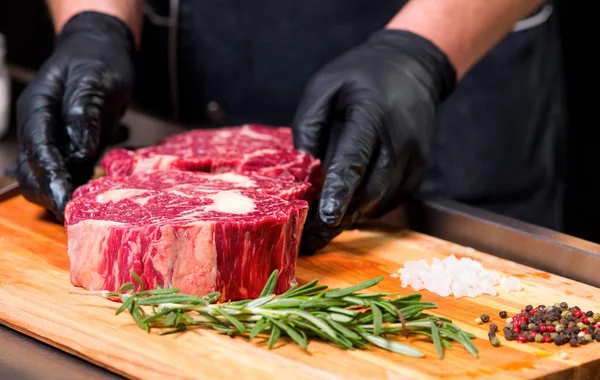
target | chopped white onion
[{"x": 464, "y": 277}]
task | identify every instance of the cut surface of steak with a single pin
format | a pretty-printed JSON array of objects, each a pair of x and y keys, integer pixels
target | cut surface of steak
[
  {"x": 253, "y": 148},
  {"x": 193, "y": 231},
  {"x": 183, "y": 181}
]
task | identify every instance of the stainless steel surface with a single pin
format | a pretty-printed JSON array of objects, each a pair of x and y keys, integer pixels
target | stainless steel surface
[
  {"x": 23, "y": 358},
  {"x": 508, "y": 238},
  {"x": 8, "y": 188}
]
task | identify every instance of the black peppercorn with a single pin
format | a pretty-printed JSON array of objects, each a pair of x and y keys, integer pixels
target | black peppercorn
[
  {"x": 597, "y": 337},
  {"x": 493, "y": 327},
  {"x": 576, "y": 308},
  {"x": 534, "y": 328},
  {"x": 564, "y": 305},
  {"x": 491, "y": 334},
  {"x": 523, "y": 327},
  {"x": 581, "y": 340},
  {"x": 503, "y": 314},
  {"x": 573, "y": 342},
  {"x": 576, "y": 330},
  {"x": 485, "y": 318},
  {"x": 530, "y": 337},
  {"x": 589, "y": 314}
]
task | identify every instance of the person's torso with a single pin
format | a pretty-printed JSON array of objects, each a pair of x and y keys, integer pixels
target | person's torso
[{"x": 498, "y": 136}]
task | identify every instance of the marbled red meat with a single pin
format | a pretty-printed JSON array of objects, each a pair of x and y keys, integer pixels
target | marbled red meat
[
  {"x": 194, "y": 231},
  {"x": 253, "y": 148}
]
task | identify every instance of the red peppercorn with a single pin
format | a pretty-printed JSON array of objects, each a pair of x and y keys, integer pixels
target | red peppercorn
[
  {"x": 532, "y": 312},
  {"x": 597, "y": 325},
  {"x": 547, "y": 339},
  {"x": 543, "y": 328},
  {"x": 550, "y": 328},
  {"x": 522, "y": 339},
  {"x": 516, "y": 329},
  {"x": 585, "y": 321},
  {"x": 577, "y": 313},
  {"x": 533, "y": 334}
]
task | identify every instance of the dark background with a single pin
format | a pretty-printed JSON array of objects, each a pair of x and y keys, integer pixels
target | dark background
[{"x": 29, "y": 34}]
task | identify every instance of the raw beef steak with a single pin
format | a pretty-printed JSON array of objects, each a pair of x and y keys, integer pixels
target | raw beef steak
[
  {"x": 194, "y": 231},
  {"x": 253, "y": 148}
]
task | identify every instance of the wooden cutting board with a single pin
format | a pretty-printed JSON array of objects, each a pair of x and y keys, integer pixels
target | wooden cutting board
[{"x": 35, "y": 299}]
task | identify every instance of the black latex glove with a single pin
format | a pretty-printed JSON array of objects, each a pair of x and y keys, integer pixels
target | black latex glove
[
  {"x": 72, "y": 108},
  {"x": 384, "y": 93}
]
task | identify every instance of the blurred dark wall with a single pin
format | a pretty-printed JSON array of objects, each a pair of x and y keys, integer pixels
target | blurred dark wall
[{"x": 29, "y": 34}]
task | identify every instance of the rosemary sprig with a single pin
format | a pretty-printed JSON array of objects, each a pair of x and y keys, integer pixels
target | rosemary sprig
[{"x": 344, "y": 317}]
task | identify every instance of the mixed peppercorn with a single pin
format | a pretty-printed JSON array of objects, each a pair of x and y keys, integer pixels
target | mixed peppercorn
[{"x": 559, "y": 324}]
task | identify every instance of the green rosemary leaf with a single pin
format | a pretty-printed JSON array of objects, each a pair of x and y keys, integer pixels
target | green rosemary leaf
[
  {"x": 338, "y": 310},
  {"x": 376, "y": 319},
  {"x": 210, "y": 317},
  {"x": 259, "y": 301},
  {"x": 137, "y": 279},
  {"x": 212, "y": 297},
  {"x": 127, "y": 287},
  {"x": 376, "y": 295},
  {"x": 283, "y": 303},
  {"x": 301, "y": 292},
  {"x": 270, "y": 284},
  {"x": 435, "y": 335},
  {"x": 258, "y": 327},
  {"x": 238, "y": 325},
  {"x": 393, "y": 346},
  {"x": 171, "y": 319},
  {"x": 467, "y": 343},
  {"x": 356, "y": 301},
  {"x": 311, "y": 328},
  {"x": 274, "y": 337},
  {"x": 324, "y": 327},
  {"x": 173, "y": 298},
  {"x": 126, "y": 303},
  {"x": 224, "y": 329},
  {"x": 291, "y": 292},
  {"x": 343, "y": 330},
  {"x": 321, "y": 303},
  {"x": 156, "y": 316},
  {"x": 179, "y": 328},
  {"x": 337, "y": 293},
  {"x": 342, "y": 318},
  {"x": 290, "y": 332},
  {"x": 157, "y": 292},
  {"x": 134, "y": 310}
]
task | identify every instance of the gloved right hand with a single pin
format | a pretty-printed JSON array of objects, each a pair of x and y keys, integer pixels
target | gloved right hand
[{"x": 71, "y": 109}]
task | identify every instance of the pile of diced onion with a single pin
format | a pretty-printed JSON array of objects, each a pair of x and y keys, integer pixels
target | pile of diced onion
[{"x": 464, "y": 277}]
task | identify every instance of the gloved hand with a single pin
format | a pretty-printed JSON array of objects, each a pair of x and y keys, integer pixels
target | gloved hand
[
  {"x": 384, "y": 93},
  {"x": 71, "y": 109}
]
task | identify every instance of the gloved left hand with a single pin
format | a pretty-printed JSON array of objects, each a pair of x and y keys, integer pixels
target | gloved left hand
[{"x": 385, "y": 92}]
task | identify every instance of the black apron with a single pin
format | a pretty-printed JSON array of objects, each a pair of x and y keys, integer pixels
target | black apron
[{"x": 499, "y": 138}]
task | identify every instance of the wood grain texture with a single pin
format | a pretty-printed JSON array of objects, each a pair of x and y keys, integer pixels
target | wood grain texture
[{"x": 35, "y": 298}]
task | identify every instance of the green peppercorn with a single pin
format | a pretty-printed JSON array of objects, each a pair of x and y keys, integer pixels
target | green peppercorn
[
  {"x": 509, "y": 325},
  {"x": 559, "y": 328},
  {"x": 495, "y": 341},
  {"x": 588, "y": 337},
  {"x": 581, "y": 326},
  {"x": 557, "y": 305},
  {"x": 596, "y": 316},
  {"x": 553, "y": 336},
  {"x": 539, "y": 338},
  {"x": 566, "y": 314},
  {"x": 554, "y": 323}
]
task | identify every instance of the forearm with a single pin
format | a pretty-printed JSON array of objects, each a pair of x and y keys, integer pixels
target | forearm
[
  {"x": 464, "y": 29},
  {"x": 129, "y": 11}
]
